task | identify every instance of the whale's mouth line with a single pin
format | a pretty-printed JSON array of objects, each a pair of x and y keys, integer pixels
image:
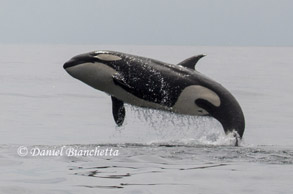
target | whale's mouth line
[
  {"x": 72, "y": 63},
  {"x": 69, "y": 64}
]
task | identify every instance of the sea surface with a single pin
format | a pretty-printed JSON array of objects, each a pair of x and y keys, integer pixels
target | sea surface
[{"x": 57, "y": 135}]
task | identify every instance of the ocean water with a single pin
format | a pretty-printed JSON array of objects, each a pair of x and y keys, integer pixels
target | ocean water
[{"x": 57, "y": 135}]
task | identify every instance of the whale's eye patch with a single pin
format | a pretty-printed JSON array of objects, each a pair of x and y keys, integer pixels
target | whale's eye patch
[{"x": 107, "y": 57}]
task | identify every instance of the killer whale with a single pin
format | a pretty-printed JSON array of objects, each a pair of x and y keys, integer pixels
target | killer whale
[{"x": 150, "y": 83}]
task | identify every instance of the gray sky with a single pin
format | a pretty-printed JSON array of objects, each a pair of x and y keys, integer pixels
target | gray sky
[{"x": 148, "y": 22}]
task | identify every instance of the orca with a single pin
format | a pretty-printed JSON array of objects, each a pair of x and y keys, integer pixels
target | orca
[{"x": 153, "y": 84}]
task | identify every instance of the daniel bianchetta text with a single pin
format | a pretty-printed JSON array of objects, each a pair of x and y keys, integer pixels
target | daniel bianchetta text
[{"x": 68, "y": 151}]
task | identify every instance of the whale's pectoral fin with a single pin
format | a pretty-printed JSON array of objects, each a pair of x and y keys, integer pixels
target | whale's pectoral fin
[
  {"x": 120, "y": 81},
  {"x": 191, "y": 62},
  {"x": 118, "y": 111}
]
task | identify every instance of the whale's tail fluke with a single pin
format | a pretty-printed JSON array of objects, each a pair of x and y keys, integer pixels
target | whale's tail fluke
[{"x": 229, "y": 113}]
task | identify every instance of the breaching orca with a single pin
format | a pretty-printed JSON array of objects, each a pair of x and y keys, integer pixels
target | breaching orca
[{"x": 154, "y": 84}]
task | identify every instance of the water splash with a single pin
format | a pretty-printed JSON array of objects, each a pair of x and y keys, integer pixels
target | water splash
[{"x": 175, "y": 129}]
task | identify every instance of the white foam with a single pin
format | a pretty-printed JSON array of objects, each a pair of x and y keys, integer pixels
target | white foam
[{"x": 174, "y": 129}]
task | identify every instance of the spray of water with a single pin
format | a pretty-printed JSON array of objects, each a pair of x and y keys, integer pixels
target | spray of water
[{"x": 160, "y": 127}]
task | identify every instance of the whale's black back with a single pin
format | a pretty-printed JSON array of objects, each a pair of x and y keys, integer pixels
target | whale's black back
[{"x": 152, "y": 80}]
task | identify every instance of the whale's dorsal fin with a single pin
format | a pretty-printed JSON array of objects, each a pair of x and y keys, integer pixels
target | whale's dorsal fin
[
  {"x": 191, "y": 62},
  {"x": 118, "y": 111}
]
